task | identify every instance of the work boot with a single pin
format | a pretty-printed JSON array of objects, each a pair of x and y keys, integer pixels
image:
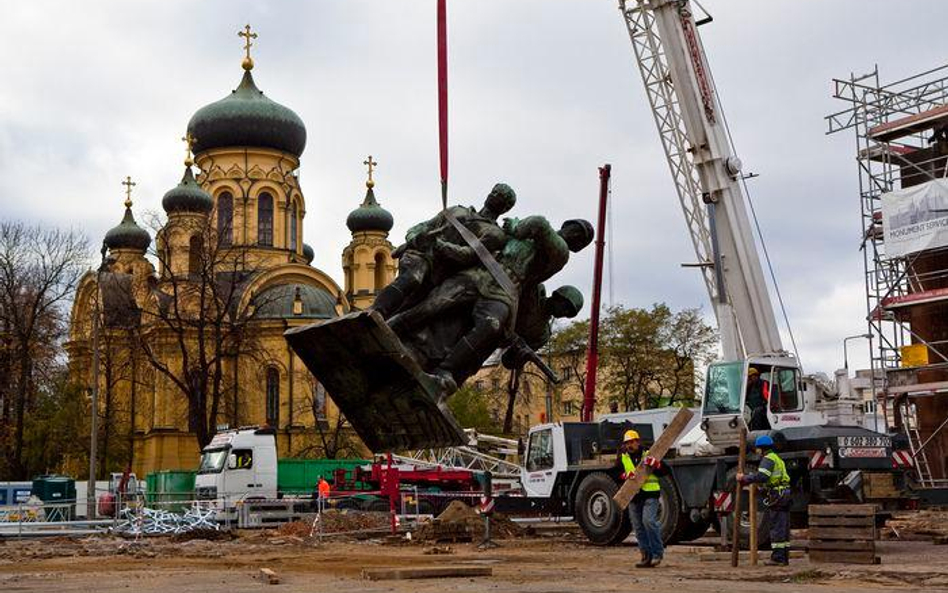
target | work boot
[
  {"x": 776, "y": 562},
  {"x": 646, "y": 561},
  {"x": 655, "y": 562}
]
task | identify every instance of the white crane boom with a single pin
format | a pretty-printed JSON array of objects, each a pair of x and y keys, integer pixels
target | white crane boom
[{"x": 706, "y": 173}]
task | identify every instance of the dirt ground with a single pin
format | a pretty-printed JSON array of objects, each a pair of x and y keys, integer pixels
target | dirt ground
[{"x": 549, "y": 561}]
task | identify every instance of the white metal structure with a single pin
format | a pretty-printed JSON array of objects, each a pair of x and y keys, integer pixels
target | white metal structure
[
  {"x": 707, "y": 177},
  {"x": 706, "y": 172}
]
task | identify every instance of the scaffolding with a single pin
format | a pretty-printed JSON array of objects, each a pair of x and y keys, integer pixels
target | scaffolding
[{"x": 901, "y": 131}]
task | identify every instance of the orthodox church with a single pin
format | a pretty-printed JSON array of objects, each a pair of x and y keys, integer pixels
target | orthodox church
[{"x": 184, "y": 329}]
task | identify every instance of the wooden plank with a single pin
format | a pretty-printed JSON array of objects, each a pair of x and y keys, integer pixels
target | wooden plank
[
  {"x": 738, "y": 489},
  {"x": 847, "y": 533},
  {"x": 752, "y": 506},
  {"x": 855, "y": 546},
  {"x": 658, "y": 450},
  {"x": 842, "y": 510},
  {"x": 837, "y": 557},
  {"x": 427, "y": 572},
  {"x": 269, "y": 576},
  {"x": 817, "y": 521}
]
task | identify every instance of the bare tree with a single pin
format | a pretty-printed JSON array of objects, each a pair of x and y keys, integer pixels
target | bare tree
[
  {"x": 335, "y": 435},
  {"x": 39, "y": 270},
  {"x": 567, "y": 350},
  {"x": 197, "y": 320}
]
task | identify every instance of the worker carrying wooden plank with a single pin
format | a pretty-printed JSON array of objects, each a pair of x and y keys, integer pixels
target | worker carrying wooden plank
[{"x": 643, "y": 510}]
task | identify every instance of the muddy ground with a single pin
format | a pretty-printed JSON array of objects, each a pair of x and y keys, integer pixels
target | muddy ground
[{"x": 548, "y": 561}]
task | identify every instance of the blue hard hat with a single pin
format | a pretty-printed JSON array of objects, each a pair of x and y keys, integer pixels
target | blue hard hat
[{"x": 764, "y": 440}]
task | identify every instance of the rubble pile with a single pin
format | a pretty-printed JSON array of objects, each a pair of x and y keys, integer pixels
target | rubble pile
[
  {"x": 337, "y": 522},
  {"x": 459, "y": 522}
]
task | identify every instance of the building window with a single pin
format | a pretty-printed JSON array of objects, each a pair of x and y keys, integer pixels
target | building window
[
  {"x": 494, "y": 383},
  {"x": 565, "y": 373},
  {"x": 319, "y": 401},
  {"x": 273, "y": 397},
  {"x": 567, "y": 408},
  {"x": 195, "y": 255},
  {"x": 294, "y": 224},
  {"x": 225, "y": 218},
  {"x": 379, "y": 271},
  {"x": 479, "y": 384},
  {"x": 265, "y": 220}
]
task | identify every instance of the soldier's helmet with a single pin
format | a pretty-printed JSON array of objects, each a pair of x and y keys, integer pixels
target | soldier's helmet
[
  {"x": 566, "y": 301},
  {"x": 577, "y": 233}
]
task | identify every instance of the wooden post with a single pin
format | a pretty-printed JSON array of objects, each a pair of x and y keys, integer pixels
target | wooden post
[
  {"x": 738, "y": 488},
  {"x": 752, "y": 502}
]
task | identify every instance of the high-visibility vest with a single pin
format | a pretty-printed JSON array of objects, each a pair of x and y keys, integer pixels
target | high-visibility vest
[
  {"x": 651, "y": 482},
  {"x": 778, "y": 476}
]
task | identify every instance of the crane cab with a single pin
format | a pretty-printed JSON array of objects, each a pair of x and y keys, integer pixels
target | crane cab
[{"x": 762, "y": 392}]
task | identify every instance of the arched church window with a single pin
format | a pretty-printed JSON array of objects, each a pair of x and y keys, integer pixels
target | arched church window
[
  {"x": 379, "y": 271},
  {"x": 294, "y": 224},
  {"x": 225, "y": 218},
  {"x": 265, "y": 220},
  {"x": 195, "y": 255},
  {"x": 273, "y": 396}
]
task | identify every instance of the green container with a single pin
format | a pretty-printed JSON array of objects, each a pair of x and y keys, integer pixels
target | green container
[
  {"x": 169, "y": 490},
  {"x": 58, "y": 491},
  {"x": 300, "y": 476}
]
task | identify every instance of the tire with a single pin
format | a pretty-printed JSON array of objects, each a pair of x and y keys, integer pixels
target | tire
[
  {"x": 347, "y": 504},
  {"x": 377, "y": 505},
  {"x": 689, "y": 530},
  {"x": 597, "y": 514},
  {"x": 763, "y": 532},
  {"x": 669, "y": 513}
]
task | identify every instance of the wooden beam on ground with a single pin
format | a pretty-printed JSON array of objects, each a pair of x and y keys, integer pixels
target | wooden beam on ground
[
  {"x": 428, "y": 572},
  {"x": 269, "y": 576},
  {"x": 658, "y": 450}
]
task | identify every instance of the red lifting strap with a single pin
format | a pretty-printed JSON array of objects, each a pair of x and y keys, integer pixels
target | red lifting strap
[{"x": 443, "y": 98}]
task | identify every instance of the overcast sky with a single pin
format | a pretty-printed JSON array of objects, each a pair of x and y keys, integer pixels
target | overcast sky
[{"x": 542, "y": 93}]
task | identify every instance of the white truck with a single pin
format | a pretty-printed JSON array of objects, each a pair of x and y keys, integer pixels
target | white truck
[{"x": 238, "y": 465}]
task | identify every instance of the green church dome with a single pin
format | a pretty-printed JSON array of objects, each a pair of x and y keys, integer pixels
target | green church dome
[
  {"x": 127, "y": 234},
  {"x": 277, "y": 302},
  {"x": 370, "y": 216},
  {"x": 187, "y": 196},
  {"x": 247, "y": 117}
]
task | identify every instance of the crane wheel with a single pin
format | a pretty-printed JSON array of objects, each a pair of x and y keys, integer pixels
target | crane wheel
[{"x": 597, "y": 514}]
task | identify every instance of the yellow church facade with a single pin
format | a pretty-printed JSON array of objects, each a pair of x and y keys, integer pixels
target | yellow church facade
[{"x": 184, "y": 330}]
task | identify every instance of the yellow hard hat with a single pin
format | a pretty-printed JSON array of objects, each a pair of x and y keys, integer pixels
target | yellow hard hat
[
  {"x": 630, "y": 435},
  {"x": 753, "y": 371}
]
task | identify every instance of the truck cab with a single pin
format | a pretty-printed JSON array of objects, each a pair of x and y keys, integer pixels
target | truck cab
[{"x": 238, "y": 465}]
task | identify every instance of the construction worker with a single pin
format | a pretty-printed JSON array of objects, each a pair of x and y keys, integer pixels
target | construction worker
[
  {"x": 774, "y": 483},
  {"x": 323, "y": 489},
  {"x": 643, "y": 510},
  {"x": 757, "y": 395}
]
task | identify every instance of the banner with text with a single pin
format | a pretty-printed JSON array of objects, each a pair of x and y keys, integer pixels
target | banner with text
[{"x": 916, "y": 218}]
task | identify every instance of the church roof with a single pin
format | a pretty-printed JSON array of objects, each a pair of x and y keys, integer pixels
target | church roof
[
  {"x": 369, "y": 216},
  {"x": 277, "y": 302},
  {"x": 247, "y": 117},
  {"x": 187, "y": 196},
  {"x": 127, "y": 234}
]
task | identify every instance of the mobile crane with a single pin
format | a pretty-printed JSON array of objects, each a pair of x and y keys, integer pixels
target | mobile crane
[{"x": 818, "y": 423}]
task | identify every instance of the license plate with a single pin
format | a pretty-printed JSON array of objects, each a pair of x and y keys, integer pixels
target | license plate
[
  {"x": 864, "y": 441},
  {"x": 861, "y": 452}
]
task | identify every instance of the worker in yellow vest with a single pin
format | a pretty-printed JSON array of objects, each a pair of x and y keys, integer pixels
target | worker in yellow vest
[
  {"x": 643, "y": 510},
  {"x": 774, "y": 483}
]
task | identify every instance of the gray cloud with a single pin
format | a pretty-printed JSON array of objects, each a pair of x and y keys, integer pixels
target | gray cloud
[{"x": 542, "y": 94}]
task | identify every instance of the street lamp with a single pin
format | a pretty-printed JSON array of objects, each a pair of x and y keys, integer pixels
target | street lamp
[{"x": 846, "y": 353}]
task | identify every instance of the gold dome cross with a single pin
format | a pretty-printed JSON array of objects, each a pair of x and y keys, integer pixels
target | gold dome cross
[
  {"x": 247, "y": 35},
  {"x": 129, "y": 184},
  {"x": 370, "y": 164},
  {"x": 189, "y": 141}
]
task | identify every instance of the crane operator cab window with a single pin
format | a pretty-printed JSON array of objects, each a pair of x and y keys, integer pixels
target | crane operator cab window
[
  {"x": 724, "y": 388},
  {"x": 540, "y": 451},
  {"x": 785, "y": 393}
]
